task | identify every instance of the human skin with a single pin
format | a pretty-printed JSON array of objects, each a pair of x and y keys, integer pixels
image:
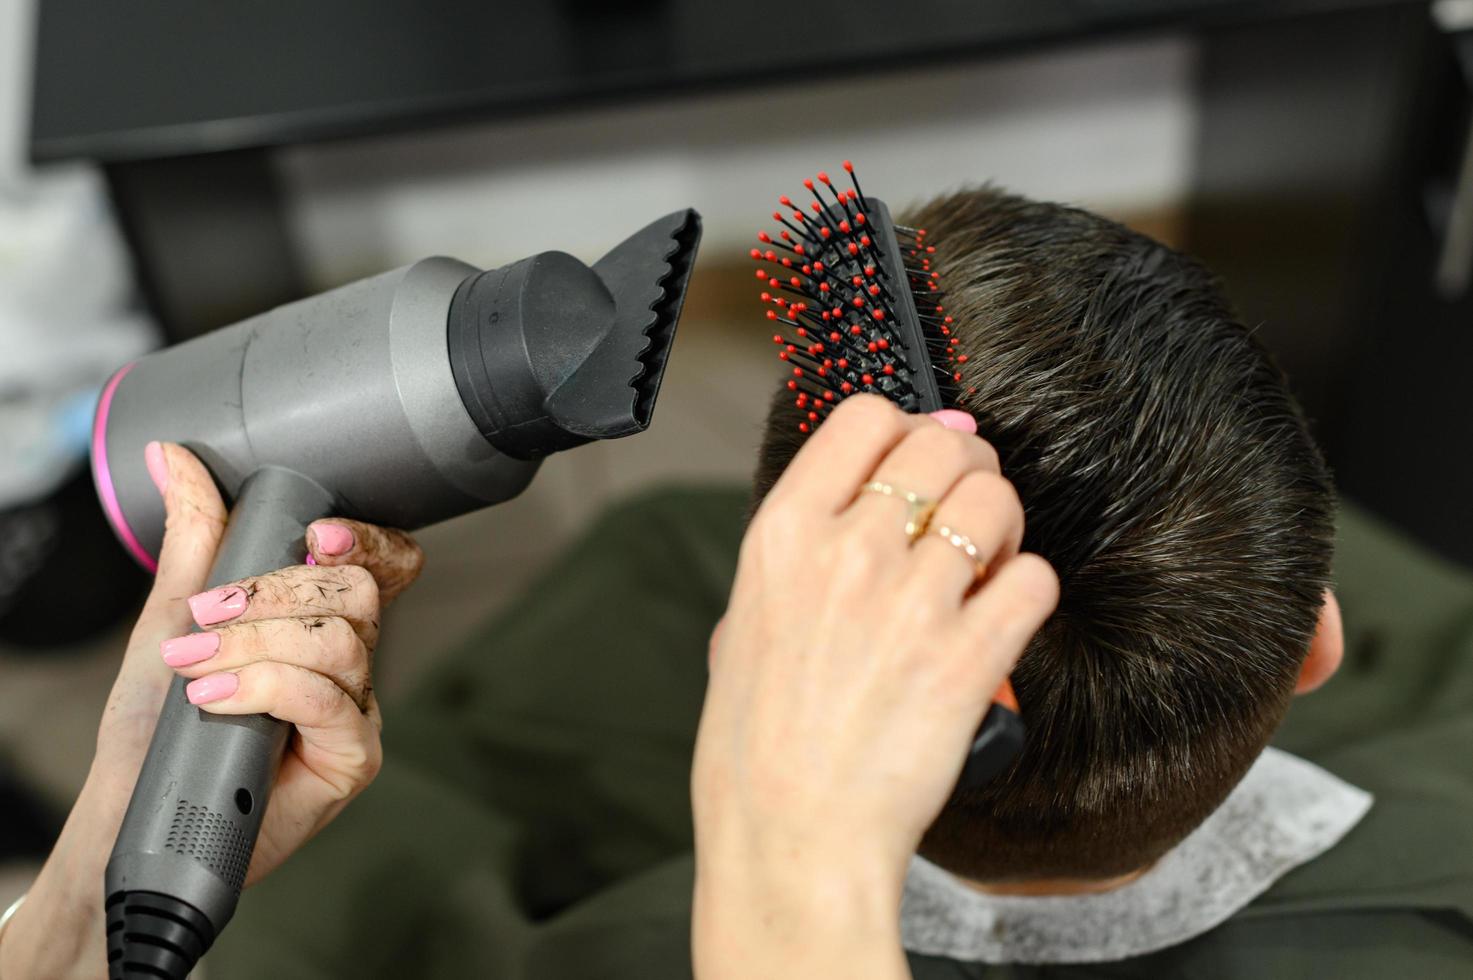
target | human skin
[
  {"x": 847, "y": 653},
  {"x": 285, "y": 648},
  {"x": 821, "y": 694},
  {"x": 808, "y": 798}
]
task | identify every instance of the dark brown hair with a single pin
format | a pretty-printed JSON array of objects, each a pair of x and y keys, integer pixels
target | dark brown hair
[{"x": 1171, "y": 480}]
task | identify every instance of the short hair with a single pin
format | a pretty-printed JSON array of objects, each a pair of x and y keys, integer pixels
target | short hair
[{"x": 1171, "y": 480}]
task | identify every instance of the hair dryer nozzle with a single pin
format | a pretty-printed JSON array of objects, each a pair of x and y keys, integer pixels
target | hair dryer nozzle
[{"x": 549, "y": 354}]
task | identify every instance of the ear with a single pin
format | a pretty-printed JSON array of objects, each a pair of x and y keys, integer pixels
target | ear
[{"x": 1326, "y": 650}]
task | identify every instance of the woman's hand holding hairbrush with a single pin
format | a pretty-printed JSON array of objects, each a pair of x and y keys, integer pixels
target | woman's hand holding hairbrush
[{"x": 848, "y": 679}]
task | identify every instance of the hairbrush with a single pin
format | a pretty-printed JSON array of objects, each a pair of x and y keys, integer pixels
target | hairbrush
[{"x": 860, "y": 308}]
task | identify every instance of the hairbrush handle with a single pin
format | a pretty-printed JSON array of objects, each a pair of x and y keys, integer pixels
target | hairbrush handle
[
  {"x": 998, "y": 741},
  {"x": 176, "y": 871}
]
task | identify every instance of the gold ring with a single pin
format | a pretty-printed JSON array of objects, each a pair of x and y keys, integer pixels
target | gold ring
[
  {"x": 963, "y": 544},
  {"x": 918, "y": 517}
]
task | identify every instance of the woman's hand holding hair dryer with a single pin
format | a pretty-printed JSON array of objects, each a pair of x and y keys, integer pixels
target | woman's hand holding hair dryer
[
  {"x": 850, "y": 674},
  {"x": 296, "y": 644}
]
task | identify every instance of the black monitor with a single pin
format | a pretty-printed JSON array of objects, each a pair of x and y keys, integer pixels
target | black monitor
[{"x": 140, "y": 79}]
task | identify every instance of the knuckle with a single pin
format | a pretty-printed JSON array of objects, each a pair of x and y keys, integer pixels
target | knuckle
[
  {"x": 1037, "y": 579},
  {"x": 342, "y": 649},
  {"x": 361, "y": 764},
  {"x": 986, "y": 491},
  {"x": 776, "y": 532},
  {"x": 253, "y": 639},
  {"x": 360, "y": 582},
  {"x": 277, "y": 589},
  {"x": 987, "y": 452},
  {"x": 937, "y": 445},
  {"x": 854, "y": 550},
  {"x": 264, "y": 682},
  {"x": 871, "y": 414},
  {"x": 320, "y": 698},
  {"x": 412, "y": 555}
]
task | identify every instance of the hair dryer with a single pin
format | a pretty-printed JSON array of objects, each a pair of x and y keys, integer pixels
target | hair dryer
[{"x": 402, "y": 399}]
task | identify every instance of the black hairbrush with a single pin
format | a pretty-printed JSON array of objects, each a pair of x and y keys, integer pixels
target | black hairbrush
[{"x": 863, "y": 311}]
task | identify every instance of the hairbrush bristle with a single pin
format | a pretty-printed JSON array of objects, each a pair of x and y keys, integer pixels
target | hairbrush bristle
[{"x": 863, "y": 310}]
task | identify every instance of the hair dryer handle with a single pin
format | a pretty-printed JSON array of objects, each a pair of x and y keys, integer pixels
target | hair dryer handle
[{"x": 186, "y": 841}]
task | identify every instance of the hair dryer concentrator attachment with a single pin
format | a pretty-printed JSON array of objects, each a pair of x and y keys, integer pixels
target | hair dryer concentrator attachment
[
  {"x": 403, "y": 399},
  {"x": 549, "y": 354}
]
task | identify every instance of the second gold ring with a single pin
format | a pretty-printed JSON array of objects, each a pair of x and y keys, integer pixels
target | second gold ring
[{"x": 917, "y": 517}]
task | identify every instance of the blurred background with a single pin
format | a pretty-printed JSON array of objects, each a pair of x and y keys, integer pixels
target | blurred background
[{"x": 168, "y": 168}]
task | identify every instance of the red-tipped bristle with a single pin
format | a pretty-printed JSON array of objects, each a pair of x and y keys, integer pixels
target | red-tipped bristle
[
  {"x": 763, "y": 236},
  {"x": 854, "y": 291}
]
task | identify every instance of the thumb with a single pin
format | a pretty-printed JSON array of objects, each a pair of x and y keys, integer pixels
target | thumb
[{"x": 193, "y": 525}]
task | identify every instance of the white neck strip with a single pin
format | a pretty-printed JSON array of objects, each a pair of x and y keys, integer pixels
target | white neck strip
[{"x": 1283, "y": 813}]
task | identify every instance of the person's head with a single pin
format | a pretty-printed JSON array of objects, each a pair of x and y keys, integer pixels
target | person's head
[{"x": 1171, "y": 480}]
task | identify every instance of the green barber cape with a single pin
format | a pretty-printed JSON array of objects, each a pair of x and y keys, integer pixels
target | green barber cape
[{"x": 532, "y": 819}]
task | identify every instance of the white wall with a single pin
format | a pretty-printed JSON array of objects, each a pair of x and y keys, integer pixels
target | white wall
[{"x": 1108, "y": 125}]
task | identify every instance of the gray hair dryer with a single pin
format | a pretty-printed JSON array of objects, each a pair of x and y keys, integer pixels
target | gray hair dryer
[{"x": 403, "y": 399}]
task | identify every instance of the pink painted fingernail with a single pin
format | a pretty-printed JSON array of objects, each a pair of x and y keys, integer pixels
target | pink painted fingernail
[
  {"x": 158, "y": 467},
  {"x": 311, "y": 558},
  {"x": 217, "y": 605},
  {"x": 212, "y": 687},
  {"x": 182, "y": 651},
  {"x": 333, "y": 539},
  {"x": 953, "y": 419}
]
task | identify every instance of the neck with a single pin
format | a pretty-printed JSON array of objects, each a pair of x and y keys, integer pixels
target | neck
[{"x": 1054, "y": 886}]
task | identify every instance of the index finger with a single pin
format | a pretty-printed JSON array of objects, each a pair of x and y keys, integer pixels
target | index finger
[
  {"x": 393, "y": 558},
  {"x": 843, "y": 452}
]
